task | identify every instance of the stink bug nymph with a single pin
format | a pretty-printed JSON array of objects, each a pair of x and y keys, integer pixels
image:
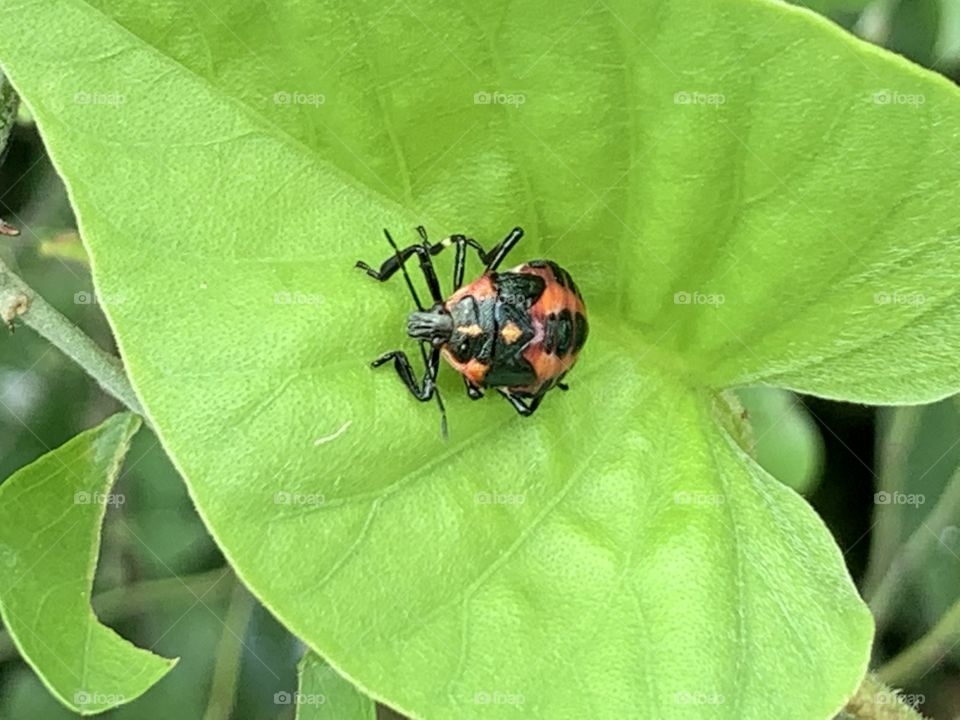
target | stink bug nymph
[{"x": 518, "y": 331}]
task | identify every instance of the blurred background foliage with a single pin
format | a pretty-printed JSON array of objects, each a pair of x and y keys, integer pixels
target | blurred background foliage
[{"x": 163, "y": 584}]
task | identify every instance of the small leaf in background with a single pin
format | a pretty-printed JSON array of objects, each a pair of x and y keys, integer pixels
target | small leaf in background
[
  {"x": 916, "y": 30},
  {"x": 948, "y": 44},
  {"x": 51, "y": 512},
  {"x": 786, "y": 440},
  {"x": 324, "y": 694}
]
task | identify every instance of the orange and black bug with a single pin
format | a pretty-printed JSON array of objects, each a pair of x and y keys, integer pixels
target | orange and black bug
[{"x": 518, "y": 331}]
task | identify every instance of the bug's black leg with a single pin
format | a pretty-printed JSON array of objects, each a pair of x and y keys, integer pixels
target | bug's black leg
[
  {"x": 389, "y": 266},
  {"x": 497, "y": 255},
  {"x": 422, "y": 391},
  {"x": 424, "y": 251},
  {"x": 460, "y": 261},
  {"x": 427, "y": 388},
  {"x": 396, "y": 262},
  {"x": 519, "y": 405},
  {"x": 432, "y": 364},
  {"x": 563, "y": 386},
  {"x": 473, "y": 392}
]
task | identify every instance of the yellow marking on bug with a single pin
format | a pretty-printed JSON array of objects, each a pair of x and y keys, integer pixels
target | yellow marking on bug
[
  {"x": 511, "y": 333},
  {"x": 470, "y": 330}
]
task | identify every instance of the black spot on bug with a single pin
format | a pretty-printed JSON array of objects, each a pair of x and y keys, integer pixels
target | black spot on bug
[
  {"x": 561, "y": 276},
  {"x": 565, "y": 333},
  {"x": 581, "y": 330},
  {"x": 550, "y": 334},
  {"x": 520, "y": 289},
  {"x": 558, "y": 333},
  {"x": 512, "y": 373}
]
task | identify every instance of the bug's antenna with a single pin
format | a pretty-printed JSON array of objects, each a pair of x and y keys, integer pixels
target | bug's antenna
[
  {"x": 443, "y": 415},
  {"x": 403, "y": 269},
  {"x": 432, "y": 368}
]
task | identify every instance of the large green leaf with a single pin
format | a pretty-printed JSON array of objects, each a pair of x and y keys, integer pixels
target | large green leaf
[
  {"x": 50, "y": 517},
  {"x": 617, "y": 554}
]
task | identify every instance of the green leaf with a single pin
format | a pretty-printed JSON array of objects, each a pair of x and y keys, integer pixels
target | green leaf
[
  {"x": 617, "y": 551},
  {"x": 323, "y": 694},
  {"x": 786, "y": 441},
  {"x": 50, "y": 517}
]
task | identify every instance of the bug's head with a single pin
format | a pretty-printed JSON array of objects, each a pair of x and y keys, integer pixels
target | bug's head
[{"x": 434, "y": 325}]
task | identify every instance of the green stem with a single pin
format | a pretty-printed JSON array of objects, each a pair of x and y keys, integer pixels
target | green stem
[
  {"x": 131, "y": 600},
  {"x": 893, "y": 452},
  {"x": 875, "y": 701},
  {"x": 226, "y": 673},
  {"x": 912, "y": 553},
  {"x": 926, "y": 652},
  {"x": 19, "y": 300}
]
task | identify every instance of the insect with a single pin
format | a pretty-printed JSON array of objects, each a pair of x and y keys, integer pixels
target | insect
[{"x": 518, "y": 331}]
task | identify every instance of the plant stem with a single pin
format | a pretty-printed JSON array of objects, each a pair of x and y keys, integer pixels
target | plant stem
[
  {"x": 875, "y": 701},
  {"x": 894, "y": 448},
  {"x": 926, "y": 652},
  {"x": 131, "y": 600},
  {"x": 911, "y": 555},
  {"x": 226, "y": 673},
  {"x": 19, "y": 300}
]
